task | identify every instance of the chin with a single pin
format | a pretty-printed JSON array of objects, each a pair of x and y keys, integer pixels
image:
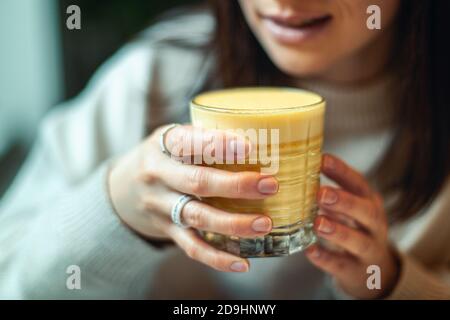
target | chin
[{"x": 300, "y": 65}]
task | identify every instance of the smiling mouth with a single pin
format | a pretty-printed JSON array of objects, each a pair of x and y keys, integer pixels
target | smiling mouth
[{"x": 300, "y": 23}]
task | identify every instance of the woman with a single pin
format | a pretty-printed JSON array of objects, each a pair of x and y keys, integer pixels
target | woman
[{"x": 97, "y": 190}]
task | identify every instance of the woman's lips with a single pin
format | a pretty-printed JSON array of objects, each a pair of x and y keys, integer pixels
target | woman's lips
[{"x": 295, "y": 29}]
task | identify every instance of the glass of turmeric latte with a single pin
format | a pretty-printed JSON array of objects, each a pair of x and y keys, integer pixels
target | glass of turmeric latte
[{"x": 285, "y": 129}]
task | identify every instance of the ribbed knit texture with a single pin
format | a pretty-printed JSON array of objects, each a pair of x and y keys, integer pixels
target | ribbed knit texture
[{"x": 365, "y": 108}]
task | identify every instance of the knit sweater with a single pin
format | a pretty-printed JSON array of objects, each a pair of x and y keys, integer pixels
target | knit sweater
[{"x": 58, "y": 212}]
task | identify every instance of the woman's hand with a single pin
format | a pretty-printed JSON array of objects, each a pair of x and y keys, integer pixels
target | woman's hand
[
  {"x": 146, "y": 183},
  {"x": 364, "y": 243}
]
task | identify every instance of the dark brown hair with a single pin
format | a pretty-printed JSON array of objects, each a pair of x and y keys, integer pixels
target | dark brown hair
[{"x": 417, "y": 164}]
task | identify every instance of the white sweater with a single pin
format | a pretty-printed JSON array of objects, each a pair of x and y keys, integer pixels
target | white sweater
[{"x": 58, "y": 213}]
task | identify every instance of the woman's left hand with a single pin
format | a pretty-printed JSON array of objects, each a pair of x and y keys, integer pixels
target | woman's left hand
[{"x": 364, "y": 244}]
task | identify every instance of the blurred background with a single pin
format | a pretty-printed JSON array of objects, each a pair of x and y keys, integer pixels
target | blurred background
[{"x": 43, "y": 63}]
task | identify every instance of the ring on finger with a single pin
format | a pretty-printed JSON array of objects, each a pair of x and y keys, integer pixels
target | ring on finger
[
  {"x": 178, "y": 208},
  {"x": 162, "y": 137}
]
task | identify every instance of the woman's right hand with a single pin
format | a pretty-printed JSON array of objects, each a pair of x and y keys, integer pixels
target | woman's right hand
[{"x": 145, "y": 183}]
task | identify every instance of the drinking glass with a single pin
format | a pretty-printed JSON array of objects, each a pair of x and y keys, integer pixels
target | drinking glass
[{"x": 285, "y": 129}]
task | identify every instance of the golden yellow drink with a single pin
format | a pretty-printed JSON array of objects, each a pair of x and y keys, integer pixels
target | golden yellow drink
[{"x": 292, "y": 121}]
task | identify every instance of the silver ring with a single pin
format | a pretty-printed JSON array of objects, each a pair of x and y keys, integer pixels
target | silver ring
[
  {"x": 178, "y": 207},
  {"x": 162, "y": 137}
]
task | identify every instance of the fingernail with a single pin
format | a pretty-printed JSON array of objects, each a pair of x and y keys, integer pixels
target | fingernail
[
  {"x": 325, "y": 226},
  {"x": 328, "y": 162},
  {"x": 239, "y": 266},
  {"x": 262, "y": 225},
  {"x": 268, "y": 185},
  {"x": 240, "y": 147},
  {"x": 329, "y": 197}
]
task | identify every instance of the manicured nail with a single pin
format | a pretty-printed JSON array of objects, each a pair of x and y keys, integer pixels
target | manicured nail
[
  {"x": 328, "y": 163},
  {"x": 329, "y": 197},
  {"x": 239, "y": 266},
  {"x": 262, "y": 225},
  {"x": 325, "y": 226},
  {"x": 268, "y": 185}
]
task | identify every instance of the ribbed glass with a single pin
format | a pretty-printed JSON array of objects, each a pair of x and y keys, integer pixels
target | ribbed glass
[{"x": 293, "y": 208}]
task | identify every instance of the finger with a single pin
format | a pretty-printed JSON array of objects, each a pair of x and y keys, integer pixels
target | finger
[
  {"x": 337, "y": 264},
  {"x": 187, "y": 141},
  {"x": 355, "y": 242},
  {"x": 362, "y": 210},
  {"x": 204, "y": 217},
  {"x": 197, "y": 249},
  {"x": 347, "y": 177},
  {"x": 212, "y": 182}
]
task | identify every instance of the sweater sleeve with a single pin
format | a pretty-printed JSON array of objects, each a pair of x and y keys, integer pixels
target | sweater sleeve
[
  {"x": 418, "y": 283},
  {"x": 415, "y": 283},
  {"x": 57, "y": 213}
]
